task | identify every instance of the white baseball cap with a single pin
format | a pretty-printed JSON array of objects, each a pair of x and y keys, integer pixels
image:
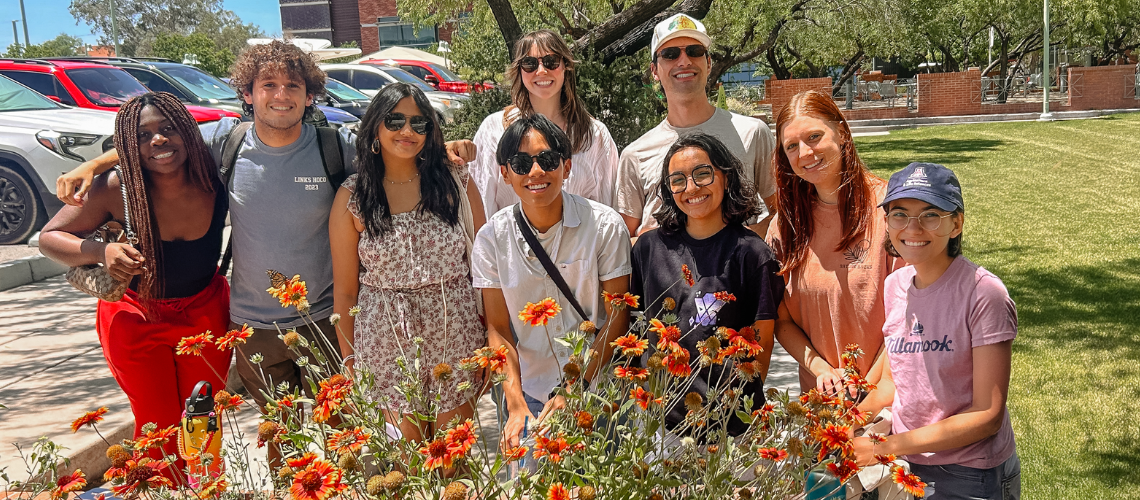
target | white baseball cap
[{"x": 678, "y": 26}]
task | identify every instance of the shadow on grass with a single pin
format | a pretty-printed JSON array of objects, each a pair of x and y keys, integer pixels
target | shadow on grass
[{"x": 882, "y": 154}]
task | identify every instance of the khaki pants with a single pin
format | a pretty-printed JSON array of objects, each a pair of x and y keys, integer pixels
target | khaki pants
[{"x": 280, "y": 363}]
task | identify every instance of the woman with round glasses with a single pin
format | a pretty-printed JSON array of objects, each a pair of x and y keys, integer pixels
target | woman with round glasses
[
  {"x": 401, "y": 232},
  {"x": 543, "y": 82},
  {"x": 950, "y": 326},
  {"x": 731, "y": 280},
  {"x": 830, "y": 242}
]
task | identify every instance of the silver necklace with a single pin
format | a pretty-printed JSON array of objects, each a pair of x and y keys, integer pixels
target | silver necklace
[{"x": 414, "y": 177}]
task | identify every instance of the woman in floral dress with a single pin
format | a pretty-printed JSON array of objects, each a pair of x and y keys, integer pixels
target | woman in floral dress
[{"x": 400, "y": 232}]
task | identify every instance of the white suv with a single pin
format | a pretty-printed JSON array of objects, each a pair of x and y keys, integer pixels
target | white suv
[
  {"x": 39, "y": 140},
  {"x": 370, "y": 78}
]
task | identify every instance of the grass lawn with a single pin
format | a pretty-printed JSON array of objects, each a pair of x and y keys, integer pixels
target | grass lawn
[{"x": 1054, "y": 210}]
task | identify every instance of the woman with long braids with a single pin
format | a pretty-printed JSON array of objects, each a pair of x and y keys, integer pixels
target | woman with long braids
[
  {"x": 177, "y": 210},
  {"x": 828, "y": 236},
  {"x": 543, "y": 82},
  {"x": 401, "y": 231}
]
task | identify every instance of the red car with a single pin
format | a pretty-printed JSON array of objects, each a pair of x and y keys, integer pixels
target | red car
[
  {"x": 87, "y": 84},
  {"x": 435, "y": 75}
]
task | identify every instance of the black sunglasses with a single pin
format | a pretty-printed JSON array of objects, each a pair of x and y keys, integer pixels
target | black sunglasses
[
  {"x": 548, "y": 161},
  {"x": 529, "y": 64},
  {"x": 395, "y": 122},
  {"x": 693, "y": 51}
]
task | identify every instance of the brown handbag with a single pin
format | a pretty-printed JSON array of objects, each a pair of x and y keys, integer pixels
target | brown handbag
[{"x": 93, "y": 279}]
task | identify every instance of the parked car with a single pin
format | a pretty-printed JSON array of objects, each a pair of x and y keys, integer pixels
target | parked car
[
  {"x": 87, "y": 84},
  {"x": 191, "y": 85},
  {"x": 370, "y": 78},
  {"x": 435, "y": 75},
  {"x": 39, "y": 139},
  {"x": 345, "y": 98}
]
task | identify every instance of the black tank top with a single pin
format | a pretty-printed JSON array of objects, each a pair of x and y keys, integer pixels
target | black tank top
[{"x": 188, "y": 266}]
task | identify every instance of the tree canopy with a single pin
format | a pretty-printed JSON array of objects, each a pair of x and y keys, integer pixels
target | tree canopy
[{"x": 60, "y": 46}]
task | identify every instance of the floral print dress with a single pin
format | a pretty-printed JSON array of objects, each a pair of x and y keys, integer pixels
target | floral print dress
[{"x": 415, "y": 284}]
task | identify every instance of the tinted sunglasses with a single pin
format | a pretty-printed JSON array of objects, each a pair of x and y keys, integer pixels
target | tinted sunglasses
[
  {"x": 529, "y": 64},
  {"x": 672, "y": 53},
  {"x": 395, "y": 122},
  {"x": 548, "y": 161}
]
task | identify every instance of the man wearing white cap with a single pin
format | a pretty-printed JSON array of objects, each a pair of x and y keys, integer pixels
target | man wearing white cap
[{"x": 681, "y": 63}]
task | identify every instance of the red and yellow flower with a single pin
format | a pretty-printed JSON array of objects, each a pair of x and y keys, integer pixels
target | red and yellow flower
[
  {"x": 744, "y": 339},
  {"x": 302, "y": 461},
  {"x": 621, "y": 300},
  {"x": 773, "y": 454},
  {"x": 515, "y": 453},
  {"x": 194, "y": 344},
  {"x": 909, "y": 482},
  {"x": 630, "y": 344},
  {"x": 552, "y": 449},
  {"x": 724, "y": 297},
  {"x": 539, "y": 314},
  {"x": 438, "y": 454},
  {"x": 492, "y": 358},
  {"x": 90, "y": 418},
  {"x": 667, "y": 336},
  {"x": 644, "y": 398},
  {"x": 320, "y": 480},
  {"x": 631, "y": 373},
  {"x": 834, "y": 437},
  {"x": 460, "y": 439},
  {"x": 677, "y": 362},
  {"x": 349, "y": 440},
  {"x": 843, "y": 469},
  {"x": 331, "y": 396},
  {"x": 156, "y": 438},
  {"x": 888, "y": 459},
  {"x": 558, "y": 491},
  {"x": 687, "y": 274},
  {"x": 291, "y": 292},
  {"x": 234, "y": 338},
  {"x": 142, "y": 474},
  {"x": 68, "y": 484}
]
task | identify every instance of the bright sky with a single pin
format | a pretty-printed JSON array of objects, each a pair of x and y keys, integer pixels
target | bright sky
[{"x": 48, "y": 18}]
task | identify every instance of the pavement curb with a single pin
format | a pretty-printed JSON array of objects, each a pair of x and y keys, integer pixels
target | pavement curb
[{"x": 27, "y": 270}]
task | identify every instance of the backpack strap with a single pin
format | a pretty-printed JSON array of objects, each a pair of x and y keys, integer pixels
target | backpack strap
[
  {"x": 328, "y": 141},
  {"x": 230, "y": 149}
]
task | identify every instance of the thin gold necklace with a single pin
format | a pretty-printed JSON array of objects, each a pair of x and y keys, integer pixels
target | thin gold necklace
[{"x": 414, "y": 177}]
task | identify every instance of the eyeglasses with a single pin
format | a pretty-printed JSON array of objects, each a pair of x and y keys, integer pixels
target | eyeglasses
[
  {"x": 702, "y": 175},
  {"x": 529, "y": 64},
  {"x": 395, "y": 122},
  {"x": 548, "y": 161},
  {"x": 928, "y": 220},
  {"x": 671, "y": 53}
]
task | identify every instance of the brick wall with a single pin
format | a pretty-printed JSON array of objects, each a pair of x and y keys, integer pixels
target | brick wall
[
  {"x": 1102, "y": 87},
  {"x": 779, "y": 92},
  {"x": 369, "y": 11},
  {"x": 950, "y": 94}
]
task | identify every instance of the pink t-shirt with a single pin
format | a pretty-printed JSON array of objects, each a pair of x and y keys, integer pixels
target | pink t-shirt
[{"x": 929, "y": 335}]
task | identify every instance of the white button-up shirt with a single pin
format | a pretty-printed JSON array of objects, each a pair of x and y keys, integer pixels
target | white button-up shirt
[{"x": 590, "y": 245}]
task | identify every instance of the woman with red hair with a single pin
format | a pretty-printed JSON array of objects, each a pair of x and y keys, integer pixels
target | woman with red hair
[{"x": 828, "y": 236}]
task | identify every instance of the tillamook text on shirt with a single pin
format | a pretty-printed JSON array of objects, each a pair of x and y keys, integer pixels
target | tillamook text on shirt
[{"x": 899, "y": 345}]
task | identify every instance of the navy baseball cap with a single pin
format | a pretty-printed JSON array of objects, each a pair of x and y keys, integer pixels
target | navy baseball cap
[{"x": 929, "y": 182}]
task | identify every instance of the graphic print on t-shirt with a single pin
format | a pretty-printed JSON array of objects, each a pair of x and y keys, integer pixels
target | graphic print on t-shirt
[
  {"x": 901, "y": 344},
  {"x": 857, "y": 253},
  {"x": 311, "y": 183},
  {"x": 707, "y": 307}
]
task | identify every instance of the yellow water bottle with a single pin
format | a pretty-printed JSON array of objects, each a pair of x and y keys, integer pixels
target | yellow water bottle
[{"x": 200, "y": 437}]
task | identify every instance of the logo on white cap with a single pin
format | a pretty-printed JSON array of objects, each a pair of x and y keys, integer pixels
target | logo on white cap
[{"x": 917, "y": 178}]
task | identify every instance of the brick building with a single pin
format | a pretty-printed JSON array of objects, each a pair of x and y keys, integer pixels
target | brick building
[{"x": 372, "y": 24}]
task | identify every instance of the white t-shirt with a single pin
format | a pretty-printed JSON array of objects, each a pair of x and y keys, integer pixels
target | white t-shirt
[
  {"x": 589, "y": 246},
  {"x": 639, "y": 169},
  {"x": 592, "y": 172}
]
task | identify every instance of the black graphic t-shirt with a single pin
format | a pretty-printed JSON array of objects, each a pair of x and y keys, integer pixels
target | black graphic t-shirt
[{"x": 734, "y": 260}]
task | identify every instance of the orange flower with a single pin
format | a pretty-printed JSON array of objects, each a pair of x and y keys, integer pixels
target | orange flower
[
  {"x": 538, "y": 314},
  {"x": 140, "y": 475},
  {"x": 909, "y": 482},
  {"x": 213, "y": 488},
  {"x": 557, "y": 492},
  {"x": 632, "y": 373},
  {"x": 677, "y": 363},
  {"x": 303, "y": 461},
  {"x": 156, "y": 438},
  {"x": 724, "y": 296},
  {"x": 843, "y": 471},
  {"x": 876, "y": 437},
  {"x": 833, "y": 437},
  {"x": 331, "y": 396},
  {"x": 644, "y": 398},
  {"x": 857, "y": 417},
  {"x": 515, "y": 453},
  {"x": 69, "y": 483},
  {"x": 688, "y": 275},
  {"x": 744, "y": 339},
  {"x": 748, "y": 370},
  {"x": 765, "y": 412},
  {"x": 234, "y": 338},
  {"x": 630, "y": 345},
  {"x": 287, "y": 401},
  {"x": 668, "y": 336},
  {"x": 494, "y": 358},
  {"x": 231, "y": 403},
  {"x": 773, "y": 454},
  {"x": 349, "y": 440},
  {"x": 90, "y": 418},
  {"x": 290, "y": 292},
  {"x": 319, "y": 481},
  {"x": 460, "y": 439},
  {"x": 194, "y": 345},
  {"x": 888, "y": 459},
  {"x": 438, "y": 454},
  {"x": 552, "y": 449}
]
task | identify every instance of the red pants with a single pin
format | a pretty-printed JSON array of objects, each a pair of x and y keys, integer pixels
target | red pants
[{"x": 141, "y": 353}]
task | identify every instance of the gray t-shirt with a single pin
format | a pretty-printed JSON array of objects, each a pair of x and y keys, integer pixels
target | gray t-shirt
[{"x": 279, "y": 214}]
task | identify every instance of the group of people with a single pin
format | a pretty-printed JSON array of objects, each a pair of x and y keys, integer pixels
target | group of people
[{"x": 786, "y": 233}]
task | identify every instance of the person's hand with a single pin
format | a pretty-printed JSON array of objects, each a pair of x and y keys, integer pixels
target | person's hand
[
  {"x": 864, "y": 451},
  {"x": 514, "y": 427},
  {"x": 72, "y": 186},
  {"x": 830, "y": 382},
  {"x": 556, "y": 403},
  {"x": 122, "y": 261},
  {"x": 460, "y": 152}
]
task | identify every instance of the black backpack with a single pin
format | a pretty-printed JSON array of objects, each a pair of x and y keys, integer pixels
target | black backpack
[{"x": 328, "y": 142}]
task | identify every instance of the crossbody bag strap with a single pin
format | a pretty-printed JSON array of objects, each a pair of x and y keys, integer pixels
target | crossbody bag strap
[
  {"x": 551, "y": 270},
  {"x": 129, "y": 229}
]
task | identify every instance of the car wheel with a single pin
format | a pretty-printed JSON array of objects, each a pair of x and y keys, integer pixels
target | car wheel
[{"x": 20, "y": 211}]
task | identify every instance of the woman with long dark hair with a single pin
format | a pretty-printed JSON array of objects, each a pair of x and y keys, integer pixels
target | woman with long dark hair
[
  {"x": 730, "y": 282},
  {"x": 177, "y": 209},
  {"x": 401, "y": 231},
  {"x": 829, "y": 239},
  {"x": 543, "y": 82}
]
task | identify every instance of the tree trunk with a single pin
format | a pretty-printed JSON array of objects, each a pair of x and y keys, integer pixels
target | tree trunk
[
  {"x": 779, "y": 71},
  {"x": 1003, "y": 92},
  {"x": 508, "y": 23},
  {"x": 849, "y": 70},
  {"x": 614, "y": 28},
  {"x": 637, "y": 36}
]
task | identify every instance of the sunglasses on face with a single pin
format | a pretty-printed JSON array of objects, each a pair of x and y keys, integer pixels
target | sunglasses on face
[
  {"x": 672, "y": 53},
  {"x": 395, "y": 122},
  {"x": 702, "y": 175},
  {"x": 548, "y": 161},
  {"x": 529, "y": 64}
]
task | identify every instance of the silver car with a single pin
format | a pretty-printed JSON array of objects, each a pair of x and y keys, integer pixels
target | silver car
[
  {"x": 39, "y": 140},
  {"x": 370, "y": 78}
]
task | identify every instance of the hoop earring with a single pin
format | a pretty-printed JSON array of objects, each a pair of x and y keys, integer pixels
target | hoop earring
[{"x": 376, "y": 146}]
